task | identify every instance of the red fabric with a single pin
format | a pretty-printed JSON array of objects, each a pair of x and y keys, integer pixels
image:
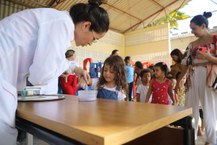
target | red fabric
[
  {"x": 212, "y": 68},
  {"x": 87, "y": 60},
  {"x": 160, "y": 92},
  {"x": 69, "y": 86}
]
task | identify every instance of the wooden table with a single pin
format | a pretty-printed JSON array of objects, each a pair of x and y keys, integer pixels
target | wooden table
[{"x": 101, "y": 122}]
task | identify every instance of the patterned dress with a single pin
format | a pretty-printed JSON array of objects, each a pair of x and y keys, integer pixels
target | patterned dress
[
  {"x": 160, "y": 92},
  {"x": 199, "y": 93}
]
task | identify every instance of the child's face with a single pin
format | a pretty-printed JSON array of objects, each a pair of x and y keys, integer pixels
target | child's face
[
  {"x": 108, "y": 73},
  {"x": 158, "y": 72},
  {"x": 146, "y": 77}
]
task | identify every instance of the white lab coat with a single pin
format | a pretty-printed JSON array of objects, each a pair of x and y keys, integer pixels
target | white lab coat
[{"x": 32, "y": 43}]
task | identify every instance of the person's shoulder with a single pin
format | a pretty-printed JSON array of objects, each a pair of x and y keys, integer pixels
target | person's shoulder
[{"x": 121, "y": 95}]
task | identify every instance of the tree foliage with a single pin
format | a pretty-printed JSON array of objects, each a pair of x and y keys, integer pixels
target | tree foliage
[{"x": 172, "y": 18}]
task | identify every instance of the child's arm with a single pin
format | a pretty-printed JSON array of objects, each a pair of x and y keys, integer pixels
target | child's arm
[
  {"x": 149, "y": 92},
  {"x": 138, "y": 93},
  {"x": 170, "y": 92}
]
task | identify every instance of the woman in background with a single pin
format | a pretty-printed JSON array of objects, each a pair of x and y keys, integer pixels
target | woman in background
[
  {"x": 198, "y": 57},
  {"x": 176, "y": 69}
]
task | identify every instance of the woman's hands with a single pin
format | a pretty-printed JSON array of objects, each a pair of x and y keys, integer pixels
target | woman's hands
[
  {"x": 83, "y": 77},
  {"x": 203, "y": 55}
]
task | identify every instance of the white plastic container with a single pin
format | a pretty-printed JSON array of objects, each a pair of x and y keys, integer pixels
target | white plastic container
[{"x": 87, "y": 95}]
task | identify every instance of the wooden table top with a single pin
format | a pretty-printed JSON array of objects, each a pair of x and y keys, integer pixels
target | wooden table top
[{"x": 100, "y": 122}]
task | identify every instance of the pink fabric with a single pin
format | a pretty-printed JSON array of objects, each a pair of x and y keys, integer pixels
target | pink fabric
[
  {"x": 160, "y": 92},
  {"x": 212, "y": 68},
  {"x": 212, "y": 74}
]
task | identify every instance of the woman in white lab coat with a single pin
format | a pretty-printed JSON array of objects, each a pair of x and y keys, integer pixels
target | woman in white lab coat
[{"x": 33, "y": 43}]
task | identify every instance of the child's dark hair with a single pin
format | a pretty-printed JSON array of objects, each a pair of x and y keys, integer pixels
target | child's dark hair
[
  {"x": 144, "y": 71},
  {"x": 202, "y": 19},
  {"x": 163, "y": 67},
  {"x": 151, "y": 67},
  {"x": 138, "y": 64},
  {"x": 126, "y": 59},
  {"x": 93, "y": 13},
  {"x": 116, "y": 63},
  {"x": 69, "y": 53},
  {"x": 177, "y": 53}
]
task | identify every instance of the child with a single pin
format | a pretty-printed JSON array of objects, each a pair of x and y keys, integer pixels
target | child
[
  {"x": 160, "y": 87},
  {"x": 112, "y": 83},
  {"x": 142, "y": 89},
  {"x": 68, "y": 81}
]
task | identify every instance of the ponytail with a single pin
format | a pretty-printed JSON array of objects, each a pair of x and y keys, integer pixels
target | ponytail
[
  {"x": 93, "y": 13},
  {"x": 202, "y": 19}
]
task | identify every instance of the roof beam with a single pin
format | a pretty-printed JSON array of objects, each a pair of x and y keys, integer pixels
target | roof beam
[
  {"x": 149, "y": 16},
  {"x": 157, "y": 3},
  {"x": 51, "y": 3},
  {"x": 27, "y": 5},
  {"x": 123, "y": 11},
  {"x": 114, "y": 29},
  {"x": 57, "y": 2}
]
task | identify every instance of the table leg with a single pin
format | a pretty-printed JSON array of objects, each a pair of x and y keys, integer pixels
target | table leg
[
  {"x": 44, "y": 134},
  {"x": 29, "y": 139},
  {"x": 186, "y": 124}
]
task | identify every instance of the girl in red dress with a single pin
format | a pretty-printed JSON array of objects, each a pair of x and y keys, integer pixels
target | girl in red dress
[{"x": 160, "y": 87}]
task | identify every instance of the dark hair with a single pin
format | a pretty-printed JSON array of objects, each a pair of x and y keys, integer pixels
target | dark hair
[
  {"x": 114, "y": 51},
  {"x": 144, "y": 71},
  {"x": 177, "y": 53},
  {"x": 163, "y": 67},
  {"x": 69, "y": 53},
  {"x": 126, "y": 59},
  {"x": 177, "y": 75},
  {"x": 117, "y": 64},
  {"x": 93, "y": 13},
  {"x": 202, "y": 19},
  {"x": 138, "y": 64}
]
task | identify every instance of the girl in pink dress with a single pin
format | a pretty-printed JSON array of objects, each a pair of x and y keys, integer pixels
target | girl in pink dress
[{"x": 160, "y": 87}]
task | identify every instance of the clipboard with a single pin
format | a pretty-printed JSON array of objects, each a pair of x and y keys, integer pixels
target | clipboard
[{"x": 40, "y": 98}]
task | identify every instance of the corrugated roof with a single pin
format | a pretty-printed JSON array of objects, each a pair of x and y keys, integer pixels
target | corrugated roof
[{"x": 125, "y": 15}]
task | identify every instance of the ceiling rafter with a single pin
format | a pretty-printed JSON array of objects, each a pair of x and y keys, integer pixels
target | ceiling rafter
[
  {"x": 114, "y": 29},
  {"x": 56, "y": 2},
  {"x": 158, "y": 3},
  {"x": 29, "y": 4},
  {"x": 149, "y": 17},
  {"x": 123, "y": 11},
  {"x": 51, "y": 3}
]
